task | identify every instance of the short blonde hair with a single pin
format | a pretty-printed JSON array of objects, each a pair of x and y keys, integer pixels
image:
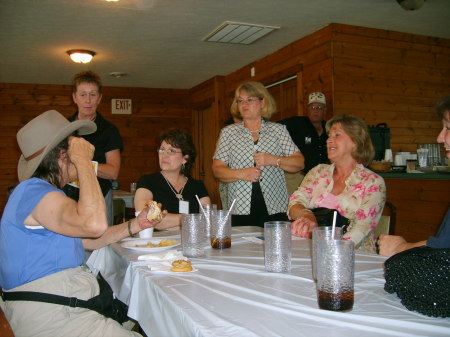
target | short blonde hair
[
  {"x": 359, "y": 133},
  {"x": 258, "y": 90}
]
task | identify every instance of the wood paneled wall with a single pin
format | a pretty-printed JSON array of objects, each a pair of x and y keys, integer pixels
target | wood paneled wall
[
  {"x": 154, "y": 110},
  {"x": 208, "y": 110},
  {"x": 391, "y": 77},
  {"x": 420, "y": 205},
  {"x": 308, "y": 58}
]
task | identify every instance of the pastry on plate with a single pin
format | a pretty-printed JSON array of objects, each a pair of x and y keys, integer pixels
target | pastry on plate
[{"x": 181, "y": 266}]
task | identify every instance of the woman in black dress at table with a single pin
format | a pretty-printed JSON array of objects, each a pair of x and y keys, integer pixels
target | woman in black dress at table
[{"x": 173, "y": 186}]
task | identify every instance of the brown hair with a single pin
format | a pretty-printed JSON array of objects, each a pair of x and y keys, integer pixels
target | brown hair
[
  {"x": 359, "y": 133},
  {"x": 86, "y": 77},
  {"x": 181, "y": 139},
  {"x": 49, "y": 169},
  {"x": 258, "y": 90},
  {"x": 442, "y": 105}
]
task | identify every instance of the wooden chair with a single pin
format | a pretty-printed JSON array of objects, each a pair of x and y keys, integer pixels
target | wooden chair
[
  {"x": 5, "y": 328},
  {"x": 119, "y": 211},
  {"x": 293, "y": 181},
  {"x": 383, "y": 226},
  {"x": 386, "y": 225},
  {"x": 391, "y": 211}
]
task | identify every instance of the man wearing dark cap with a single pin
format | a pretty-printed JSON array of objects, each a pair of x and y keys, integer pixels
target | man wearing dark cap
[{"x": 308, "y": 132}]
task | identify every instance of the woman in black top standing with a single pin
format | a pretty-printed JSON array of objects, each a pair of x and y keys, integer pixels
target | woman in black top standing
[{"x": 87, "y": 94}]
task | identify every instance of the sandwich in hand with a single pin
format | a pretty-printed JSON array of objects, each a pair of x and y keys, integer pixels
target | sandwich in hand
[{"x": 154, "y": 212}]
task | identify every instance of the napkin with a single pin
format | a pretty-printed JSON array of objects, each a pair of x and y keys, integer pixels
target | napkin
[
  {"x": 163, "y": 266},
  {"x": 253, "y": 239},
  {"x": 169, "y": 255}
]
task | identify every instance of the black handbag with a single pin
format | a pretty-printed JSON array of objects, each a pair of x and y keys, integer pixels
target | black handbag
[
  {"x": 104, "y": 303},
  {"x": 380, "y": 135},
  {"x": 421, "y": 277},
  {"x": 324, "y": 217}
]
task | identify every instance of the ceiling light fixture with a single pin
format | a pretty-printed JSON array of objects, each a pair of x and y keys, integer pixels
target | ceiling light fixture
[
  {"x": 118, "y": 74},
  {"x": 411, "y": 5},
  {"x": 237, "y": 32},
  {"x": 81, "y": 55}
]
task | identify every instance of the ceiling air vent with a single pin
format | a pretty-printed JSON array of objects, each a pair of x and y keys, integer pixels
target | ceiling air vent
[{"x": 237, "y": 32}]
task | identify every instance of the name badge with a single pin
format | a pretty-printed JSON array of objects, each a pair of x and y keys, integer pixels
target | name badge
[{"x": 183, "y": 207}]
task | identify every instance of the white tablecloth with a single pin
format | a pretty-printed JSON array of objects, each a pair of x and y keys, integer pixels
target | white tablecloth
[{"x": 232, "y": 295}]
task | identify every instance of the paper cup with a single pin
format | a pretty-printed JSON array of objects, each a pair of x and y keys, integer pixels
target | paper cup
[
  {"x": 76, "y": 183},
  {"x": 146, "y": 233}
]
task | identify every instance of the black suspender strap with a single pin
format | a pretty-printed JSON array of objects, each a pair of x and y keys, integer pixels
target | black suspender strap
[
  {"x": 105, "y": 303},
  {"x": 43, "y": 297}
]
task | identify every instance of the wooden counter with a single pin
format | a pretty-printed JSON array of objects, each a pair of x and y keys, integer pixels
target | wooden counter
[
  {"x": 421, "y": 202},
  {"x": 415, "y": 175}
]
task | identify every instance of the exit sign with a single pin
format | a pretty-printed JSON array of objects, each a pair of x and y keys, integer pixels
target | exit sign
[{"x": 121, "y": 106}]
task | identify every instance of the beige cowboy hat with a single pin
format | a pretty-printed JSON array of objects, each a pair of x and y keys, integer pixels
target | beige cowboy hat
[{"x": 39, "y": 136}]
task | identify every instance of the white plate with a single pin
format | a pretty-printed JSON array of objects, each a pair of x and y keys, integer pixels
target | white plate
[{"x": 133, "y": 245}]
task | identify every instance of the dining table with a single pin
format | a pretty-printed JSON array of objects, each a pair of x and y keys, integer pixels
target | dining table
[{"x": 229, "y": 293}]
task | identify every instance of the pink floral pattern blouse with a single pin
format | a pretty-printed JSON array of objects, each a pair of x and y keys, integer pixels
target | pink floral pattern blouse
[{"x": 361, "y": 201}]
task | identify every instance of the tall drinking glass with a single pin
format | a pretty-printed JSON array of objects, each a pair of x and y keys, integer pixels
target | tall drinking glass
[
  {"x": 277, "y": 246},
  {"x": 193, "y": 235},
  {"x": 207, "y": 218},
  {"x": 335, "y": 274},
  {"x": 220, "y": 229},
  {"x": 321, "y": 233}
]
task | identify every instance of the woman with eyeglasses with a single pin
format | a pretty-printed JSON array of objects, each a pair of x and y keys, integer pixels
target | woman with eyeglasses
[
  {"x": 173, "y": 186},
  {"x": 252, "y": 156}
]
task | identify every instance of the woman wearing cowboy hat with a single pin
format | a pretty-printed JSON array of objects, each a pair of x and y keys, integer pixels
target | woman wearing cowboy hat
[{"x": 43, "y": 233}]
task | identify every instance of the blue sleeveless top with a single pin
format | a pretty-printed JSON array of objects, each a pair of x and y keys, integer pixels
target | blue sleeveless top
[{"x": 29, "y": 253}]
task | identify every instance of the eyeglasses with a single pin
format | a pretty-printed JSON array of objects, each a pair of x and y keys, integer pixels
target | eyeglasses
[
  {"x": 248, "y": 100},
  {"x": 170, "y": 152},
  {"x": 317, "y": 107}
]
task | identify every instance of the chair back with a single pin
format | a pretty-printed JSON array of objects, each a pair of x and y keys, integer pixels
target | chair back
[
  {"x": 119, "y": 211},
  {"x": 391, "y": 210},
  {"x": 5, "y": 328},
  {"x": 383, "y": 225},
  {"x": 293, "y": 181}
]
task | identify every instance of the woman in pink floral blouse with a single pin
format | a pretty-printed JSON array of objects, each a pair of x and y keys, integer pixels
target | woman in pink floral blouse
[{"x": 346, "y": 185}]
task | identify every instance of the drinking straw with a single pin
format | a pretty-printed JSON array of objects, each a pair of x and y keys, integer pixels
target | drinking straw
[
  {"x": 201, "y": 206},
  {"x": 231, "y": 208},
  {"x": 333, "y": 228}
]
